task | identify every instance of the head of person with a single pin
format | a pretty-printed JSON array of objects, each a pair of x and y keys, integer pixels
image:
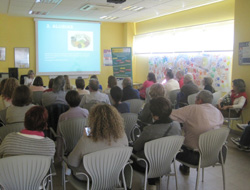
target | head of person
[
  {"x": 126, "y": 82},
  {"x": 207, "y": 81},
  {"x": 151, "y": 77},
  {"x": 160, "y": 108},
  {"x": 116, "y": 94},
  {"x": 21, "y": 96},
  {"x": 105, "y": 123},
  {"x": 239, "y": 85},
  {"x": 169, "y": 74},
  {"x": 67, "y": 82},
  {"x": 31, "y": 74},
  {"x": 51, "y": 81},
  {"x": 93, "y": 85},
  {"x": 156, "y": 90},
  {"x": 38, "y": 81},
  {"x": 58, "y": 84},
  {"x": 112, "y": 81},
  {"x": 179, "y": 74},
  {"x": 188, "y": 78},
  {"x": 204, "y": 97},
  {"x": 9, "y": 87},
  {"x": 93, "y": 77},
  {"x": 2, "y": 85},
  {"x": 36, "y": 118},
  {"x": 73, "y": 99},
  {"x": 80, "y": 83}
]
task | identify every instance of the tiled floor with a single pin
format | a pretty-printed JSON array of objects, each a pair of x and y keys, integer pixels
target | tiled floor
[{"x": 237, "y": 169}]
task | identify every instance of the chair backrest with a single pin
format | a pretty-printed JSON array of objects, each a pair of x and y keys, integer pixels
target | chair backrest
[
  {"x": 3, "y": 115},
  {"x": 130, "y": 121},
  {"x": 105, "y": 166},
  {"x": 210, "y": 145},
  {"x": 90, "y": 104},
  {"x": 173, "y": 96},
  {"x": 191, "y": 98},
  {"x": 135, "y": 105},
  {"x": 147, "y": 98},
  {"x": 216, "y": 97},
  {"x": 160, "y": 154},
  {"x": 23, "y": 172},
  {"x": 72, "y": 130},
  {"x": 9, "y": 128},
  {"x": 37, "y": 97}
]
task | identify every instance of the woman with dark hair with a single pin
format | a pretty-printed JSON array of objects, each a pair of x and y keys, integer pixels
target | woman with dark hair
[
  {"x": 50, "y": 85},
  {"x": 149, "y": 82},
  {"x": 6, "y": 95},
  {"x": 21, "y": 103},
  {"x": 207, "y": 82},
  {"x": 30, "y": 78},
  {"x": 37, "y": 84},
  {"x": 30, "y": 140},
  {"x": 236, "y": 99},
  {"x": 106, "y": 131},
  {"x": 163, "y": 126},
  {"x": 80, "y": 84},
  {"x": 111, "y": 83},
  {"x": 116, "y": 95}
]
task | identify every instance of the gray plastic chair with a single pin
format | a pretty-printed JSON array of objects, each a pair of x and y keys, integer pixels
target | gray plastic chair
[
  {"x": 210, "y": 149},
  {"x": 131, "y": 127},
  {"x": 229, "y": 119},
  {"x": 216, "y": 97},
  {"x": 173, "y": 97},
  {"x": 104, "y": 168},
  {"x": 3, "y": 115},
  {"x": 147, "y": 98},
  {"x": 191, "y": 98},
  {"x": 90, "y": 104},
  {"x": 37, "y": 97},
  {"x": 135, "y": 105},
  {"x": 9, "y": 128},
  {"x": 160, "y": 154},
  {"x": 25, "y": 172}
]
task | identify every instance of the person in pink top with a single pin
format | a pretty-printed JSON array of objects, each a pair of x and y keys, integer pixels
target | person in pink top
[
  {"x": 37, "y": 85},
  {"x": 149, "y": 82},
  {"x": 180, "y": 77}
]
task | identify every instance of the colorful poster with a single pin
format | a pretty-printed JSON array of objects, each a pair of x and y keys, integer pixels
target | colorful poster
[
  {"x": 215, "y": 65},
  {"x": 107, "y": 57},
  {"x": 122, "y": 61},
  {"x": 244, "y": 53}
]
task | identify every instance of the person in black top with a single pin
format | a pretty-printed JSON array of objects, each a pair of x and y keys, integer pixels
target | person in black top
[
  {"x": 128, "y": 91},
  {"x": 207, "y": 82},
  {"x": 116, "y": 94}
]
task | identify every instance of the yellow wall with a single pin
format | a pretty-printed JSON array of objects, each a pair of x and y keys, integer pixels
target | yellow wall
[
  {"x": 20, "y": 32},
  {"x": 241, "y": 34},
  {"x": 207, "y": 14}
]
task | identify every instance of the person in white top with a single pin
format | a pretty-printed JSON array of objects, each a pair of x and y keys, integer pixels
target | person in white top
[
  {"x": 171, "y": 84},
  {"x": 30, "y": 78}
]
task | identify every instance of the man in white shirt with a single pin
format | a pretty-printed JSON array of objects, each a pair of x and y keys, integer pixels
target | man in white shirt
[
  {"x": 197, "y": 119},
  {"x": 171, "y": 84}
]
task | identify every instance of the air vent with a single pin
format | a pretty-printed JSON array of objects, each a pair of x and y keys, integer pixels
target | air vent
[
  {"x": 86, "y": 7},
  {"x": 48, "y": 1},
  {"x": 89, "y": 7},
  {"x": 38, "y": 13}
]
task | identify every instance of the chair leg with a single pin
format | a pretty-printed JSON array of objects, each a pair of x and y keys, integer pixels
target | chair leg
[
  {"x": 202, "y": 174},
  {"x": 198, "y": 175},
  {"x": 168, "y": 181},
  {"x": 175, "y": 174},
  {"x": 223, "y": 172},
  {"x": 63, "y": 176}
]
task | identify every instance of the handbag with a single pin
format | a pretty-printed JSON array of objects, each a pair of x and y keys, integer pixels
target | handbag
[{"x": 226, "y": 101}]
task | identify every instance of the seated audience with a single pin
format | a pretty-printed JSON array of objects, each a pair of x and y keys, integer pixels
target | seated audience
[
  {"x": 163, "y": 126},
  {"x": 95, "y": 78},
  {"x": 6, "y": 95},
  {"x": 145, "y": 116},
  {"x": 49, "y": 86},
  {"x": 116, "y": 94},
  {"x": 67, "y": 85},
  {"x": 236, "y": 99},
  {"x": 207, "y": 82},
  {"x": 197, "y": 119},
  {"x": 106, "y": 131},
  {"x": 57, "y": 95},
  {"x": 111, "y": 83},
  {"x": 80, "y": 84},
  {"x": 171, "y": 83},
  {"x": 37, "y": 84},
  {"x": 149, "y": 82},
  {"x": 180, "y": 77},
  {"x": 28, "y": 81},
  {"x": 128, "y": 91},
  {"x": 95, "y": 95},
  {"x": 187, "y": 89},
  {"x": 21, "y": 103},
  {"x": 30, "y": 140}
]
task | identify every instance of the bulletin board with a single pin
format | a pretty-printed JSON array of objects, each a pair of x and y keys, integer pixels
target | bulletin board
[{"x": 216, "y": 65}]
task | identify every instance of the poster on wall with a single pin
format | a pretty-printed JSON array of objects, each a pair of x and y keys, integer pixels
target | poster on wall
[
  {"x": 244, "y": 53},
  {"x": 215, "y": 65},
  {"x": 2, "y": 53},
  {"x": 22, "y": 57},
  {"x": 107, "y": 57},
  {"x": 122, "y": 61}
]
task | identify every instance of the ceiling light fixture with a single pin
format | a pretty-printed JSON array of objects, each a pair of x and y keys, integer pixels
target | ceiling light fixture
[{"x": 132, "y": 8}]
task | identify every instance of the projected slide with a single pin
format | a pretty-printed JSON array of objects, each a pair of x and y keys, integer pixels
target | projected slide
[{"x": 67, "y": 47}]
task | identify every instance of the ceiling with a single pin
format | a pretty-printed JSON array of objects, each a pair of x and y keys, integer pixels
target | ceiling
[{"x": 92, "y": 10}]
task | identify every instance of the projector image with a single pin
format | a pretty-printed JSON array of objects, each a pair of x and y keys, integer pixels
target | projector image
[{"x": 116, "y": 1}]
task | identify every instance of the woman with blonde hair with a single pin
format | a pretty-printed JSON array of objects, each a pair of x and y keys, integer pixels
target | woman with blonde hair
[
  {"x": 106, "y": 131},
  {"x": 6, "y": 96},
  {"x": 67, "y": 85}
]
